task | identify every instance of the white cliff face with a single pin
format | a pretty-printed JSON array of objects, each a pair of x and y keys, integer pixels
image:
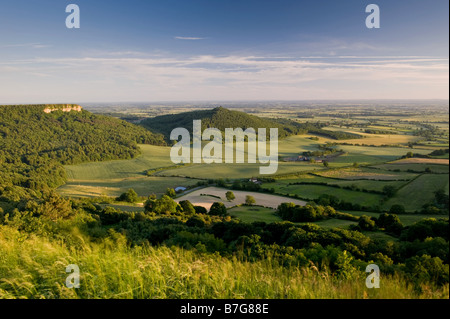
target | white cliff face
[{"x": 64, "y": 108}]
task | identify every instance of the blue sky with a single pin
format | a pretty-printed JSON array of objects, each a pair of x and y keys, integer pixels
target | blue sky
[{"x": 193, "y": 50}]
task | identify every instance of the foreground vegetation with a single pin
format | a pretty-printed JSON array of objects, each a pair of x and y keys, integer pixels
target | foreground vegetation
[
  {"x": 33, "y": 267},
  {"x": 132, "y": 235}
]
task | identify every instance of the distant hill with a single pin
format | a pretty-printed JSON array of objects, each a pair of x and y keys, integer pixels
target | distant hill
[
  {"x": 222, "y": 118},
  {"x": 36, "y": 140}
]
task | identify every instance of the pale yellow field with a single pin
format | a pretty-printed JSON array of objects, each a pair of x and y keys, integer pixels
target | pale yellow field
[
  {"x": 262, "y": 199},
  {"x": 375, "y": 139},
  {"x": 422, "y": 161}
]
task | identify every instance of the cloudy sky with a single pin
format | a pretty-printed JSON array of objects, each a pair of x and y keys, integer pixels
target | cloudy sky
[{"x": 192, "y": 50}]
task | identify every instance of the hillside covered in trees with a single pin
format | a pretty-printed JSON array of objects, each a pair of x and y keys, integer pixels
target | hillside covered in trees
[
  {"x": 36, "y": 140},
  {"x": 222, "y": 118}
]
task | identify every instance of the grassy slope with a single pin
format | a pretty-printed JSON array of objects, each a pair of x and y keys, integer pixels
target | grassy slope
[
  {"x": 112, "y": 178},
  {"x": 419, "y": 192},
  {"x": 35, "y": 268},
  {"x": 372, "y": 155},
  {"x": 152, "y": 157}
]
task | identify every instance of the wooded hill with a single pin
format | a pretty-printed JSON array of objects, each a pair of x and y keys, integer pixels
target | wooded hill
[
  {"x": 222, "y": 118},
  {"x": 34, "y": 144}
]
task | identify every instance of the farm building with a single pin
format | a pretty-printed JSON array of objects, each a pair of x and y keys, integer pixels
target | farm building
[{"x": 254, "y": 180}]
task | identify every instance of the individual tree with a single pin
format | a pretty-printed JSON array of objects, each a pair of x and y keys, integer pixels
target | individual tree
[
  {"x": 390, "y": 222},
  {"x": 230, "y": 195},
  {"x": 196, "y": 221},
  {"x": 164, "y": 205},
  {"x": 249, "y": 200},
  {"x": 389, "y": 190},
  {"x": 129, "y": 196},
  {"x": 171, "y": 192},
  {"x": 326, "y": 164},
  {"x": 200, "y": 210},
  {"x": 441, "y": 198},
  {"x": 149, "y": 205},
  {"x": 366, "y": 223},
  {"x": 397, "y": 209},
  {"x": 306, "y": 213},
  {"x": 218, "y": 209},
  {"x": 285, "y": 210},
  {"x": 187, "y": 207}
]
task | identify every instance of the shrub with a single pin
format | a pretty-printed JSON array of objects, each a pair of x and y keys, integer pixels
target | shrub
[
  {"x": 218, "y": 209},
  {"x": 129, "y": 196}
]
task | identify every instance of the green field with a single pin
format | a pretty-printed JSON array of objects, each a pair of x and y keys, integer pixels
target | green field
[
  {"x": 371, "y": 185},
  {"x": 251, "y": 214},
  {"x": 143, "y": 186},
  {"x": 371, "y": 155},
  {"x": 311, "y": 192},
  {"x": 151, "y": 157},
  {"x": 419, "y": 192},
  {"x": 111, "y": 178},
  {"x": 367, "y": 173},
  {"x": 435, "y": 168},
  {"x": 236, "y": 171}
]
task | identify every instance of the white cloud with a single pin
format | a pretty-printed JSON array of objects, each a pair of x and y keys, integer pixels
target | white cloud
[
  {"x": 189, "y": 38},
  {"x": 25, "y": 45},
  {"x": 142, "y": 77}
]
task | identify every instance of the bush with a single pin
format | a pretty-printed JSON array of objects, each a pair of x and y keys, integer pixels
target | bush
[
  {"x": 249, "y": 200},
  {"x": 129, "y": 196},
  {"x": 389, "y": 190},
  {"x": 390, "y": 222},
  {"x": 171, "y": 192},
  {"x": 428, "y": 227},
  {"x": 218, "y": 209},
  {"x": 187, "y": 207},
  {"x": 230, "y": 195},
  {"x": 196, "y": 221},
  {"x": 164, "y": 205},
  {"x": 200, "y": 210},
  {"x": 366, "y": 223},
  {"x": 426, "y": 268},
  {"x": 397, "y": 209}
]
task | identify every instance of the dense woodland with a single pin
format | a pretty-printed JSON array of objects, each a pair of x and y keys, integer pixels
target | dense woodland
[
  {"x": 34, "y": 145},
  {"x": 222, "y": 118}
]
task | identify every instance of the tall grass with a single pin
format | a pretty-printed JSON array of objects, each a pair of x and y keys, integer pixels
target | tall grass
[{"x": 34, "y": 267}]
